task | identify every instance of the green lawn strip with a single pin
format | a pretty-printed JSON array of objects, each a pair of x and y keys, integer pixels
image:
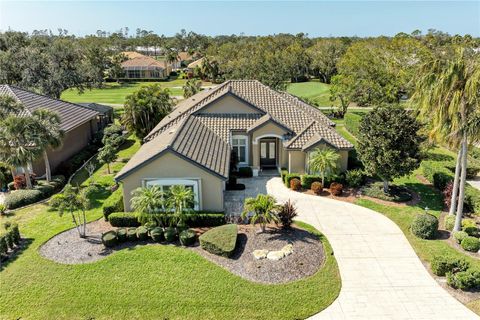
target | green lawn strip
[
  {"x": 115, "y": 93},
  {"x": 145, "y": 282},
  {"x": 312, "y": 90},
  {"x": 403, "y": 216}
]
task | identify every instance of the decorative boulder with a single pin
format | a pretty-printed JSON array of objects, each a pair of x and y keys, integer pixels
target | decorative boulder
[
  {"x": 287, "y": 250},
  {"x": 260, "y": 254},
  {"x": 275, "y": 255}
]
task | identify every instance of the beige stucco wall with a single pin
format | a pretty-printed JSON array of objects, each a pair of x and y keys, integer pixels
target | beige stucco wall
[
  {"x": 268, "y": 130},
  {"x": 228, "y": 104},
  {"x": 342, "y": 161},
  {"x": 296, "y": 161},
  {"x": 74, "y": 141},
  {"x": 169, "y": 165}
]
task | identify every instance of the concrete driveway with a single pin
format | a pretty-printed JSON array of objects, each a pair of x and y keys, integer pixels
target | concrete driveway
[{"x": 382, "y": 277}]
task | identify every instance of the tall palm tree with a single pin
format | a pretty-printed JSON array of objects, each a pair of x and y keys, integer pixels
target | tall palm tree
[
  {"x": 264, "y": 210},
  {"x": 9, "y": 106},
  {"x": 180, "y": 199},
  {"x": 49, "y": 135},
  {"x": 447, "y": 96},
  {"x": 18, "y": 146},
  {"x": 324, "y": 161},
  {"x": 146, "y": 201}
]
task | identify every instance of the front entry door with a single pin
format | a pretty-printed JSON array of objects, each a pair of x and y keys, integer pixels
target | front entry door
[{"x": 268, "y": 153}]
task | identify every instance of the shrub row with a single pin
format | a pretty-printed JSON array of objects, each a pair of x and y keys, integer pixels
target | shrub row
[
  {"x": 42, "y": 190},
  {"x": 473, "y": 168},
  {"x": 114, "y": 203},
  {"x": 458, "y": 272},
  {"x": 197, "y": 219},
  {"x": 157, "y": 234},
  {"x": 220, "y": 240},
  {"x": 9, "y": 239}
]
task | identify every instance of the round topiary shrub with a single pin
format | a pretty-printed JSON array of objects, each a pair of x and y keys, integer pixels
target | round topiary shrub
[
  {"x": 187, "y": 237},
  {"x": 471, "y": 231},
  {"x": 132, "y": 234},
  {"x": 471, "y": 244},
  {"x": 142, "y": 233},
  {"x": 157, "y": 234},
  {"x": 109, "y": 239},
  {"x": 122, "y": 234},
  {"x": 425, "y": 226},
  {"x": 336, "y": 189},
  {"x": 170, "y": 234},
  {"x": 316, "y": 187},
  {"x": 459, "y": 236},
  {"x": 295, "y": 184}
]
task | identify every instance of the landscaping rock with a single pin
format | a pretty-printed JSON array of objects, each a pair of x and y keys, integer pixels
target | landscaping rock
[
  {"x": 288, "y": 249},
  {"x": 260, "y": 254},
  {"x": 275, "y": 255}
]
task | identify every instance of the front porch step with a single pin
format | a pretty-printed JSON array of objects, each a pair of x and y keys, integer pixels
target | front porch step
[{"x": 268, "y": 173}]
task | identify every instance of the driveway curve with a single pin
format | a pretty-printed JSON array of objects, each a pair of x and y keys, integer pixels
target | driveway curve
[{"x": 382, "y": 277}]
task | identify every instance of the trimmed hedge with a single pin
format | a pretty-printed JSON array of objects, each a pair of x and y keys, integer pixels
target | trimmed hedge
[
  {"x": 308, "y": 179},
  {"x": 142, "y": 233},
  {"x": 473, "y": 168},
  {"x": 459, "y": 236},
  {"x": 42, "y": 190},
  {"x": 441, "y": 265},
  {"x": 425, "y": 226},
  {"x": 132, "y": 234},
  {"x": 157, "y": 234},
  {"x": 464, "y": 280},
  {"x": 122, "y": 234},
  {"x": 197, "y": 219},
  {"x": 123, "y": 219},
  {"x": 355, "y": 178},
  {"x": 187, "y": 237},
  {"x": 283, "y": 173},
  {"x": 170, "y": 234},
  {"x": 114, "y": 203},
  {"x": 220, "y": 240}
]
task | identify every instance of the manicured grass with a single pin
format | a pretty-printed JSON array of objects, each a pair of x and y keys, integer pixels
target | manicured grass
[
  {"x": 114, "y": 93},
  {"x": 312, "y": 90},
  {"x": 145, "y": 282}
]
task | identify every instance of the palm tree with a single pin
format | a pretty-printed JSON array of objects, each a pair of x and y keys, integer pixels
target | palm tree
[
  {"x": 9, "y": 106},
  {"x": 18, "y": 146},
  {"x": 191, "y": 87},
  {"x": 180, "y": 199},
  {"x": 146, "y": 201},
  {"x": 263, "y": 208},
  {"x": 447, "y": 97},
  {"x": 49, "y": 135},
  {"x": 324, "y": 161}
]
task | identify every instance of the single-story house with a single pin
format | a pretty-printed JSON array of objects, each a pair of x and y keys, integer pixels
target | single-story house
[
  {"x": 192, "y": 146},
  {"x": 78, "y": 122},
  {"x": 144, "y": 67}
]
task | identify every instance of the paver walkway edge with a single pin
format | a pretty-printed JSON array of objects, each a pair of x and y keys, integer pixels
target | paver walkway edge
[{"x": 382, "y": 277}]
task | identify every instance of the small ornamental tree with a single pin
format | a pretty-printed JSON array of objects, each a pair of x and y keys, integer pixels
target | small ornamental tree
[
  {"x": 389, "y": 143},
  {"x": 107, "y": 154}
]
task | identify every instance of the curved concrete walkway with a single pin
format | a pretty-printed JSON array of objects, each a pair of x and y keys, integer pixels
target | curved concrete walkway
[{"x": 382, "y": 277}]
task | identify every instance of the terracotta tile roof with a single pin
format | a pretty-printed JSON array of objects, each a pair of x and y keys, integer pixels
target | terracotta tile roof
[
  {"x": 71, "y": 115},
  {"x": 265, "y": 119},
  {"x": 282, "y": 107},
  {"x": 191, "y": 140},
  {"x": 132, "y": 54},
  {"x": 318, "y": 131},
  {"x": 196, "y": 63},
  {"x": 143, "y": 62}
]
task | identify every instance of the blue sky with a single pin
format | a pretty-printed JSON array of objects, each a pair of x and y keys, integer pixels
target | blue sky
[{"x": 317, "y": 18}]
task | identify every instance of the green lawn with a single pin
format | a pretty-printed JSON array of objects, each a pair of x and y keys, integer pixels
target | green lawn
[
  {"x": 312, "y": 90},
  {"x": 114, "y": 93},
  {"x": 145, "y": 282}
]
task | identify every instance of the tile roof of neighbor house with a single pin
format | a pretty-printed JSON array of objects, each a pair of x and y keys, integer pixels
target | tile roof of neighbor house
[
  {"x": 143, "y": 62},
  {"x": 305, "y": 124},
  {"x": 100, "y": 108},
  {"x": 71, "y": 115},
  {"x": 132, "y": 54},
  {"x": 190, "y": 139},
  {"x": 183, "y": 56},
  {"x": 196, "y": 63}
]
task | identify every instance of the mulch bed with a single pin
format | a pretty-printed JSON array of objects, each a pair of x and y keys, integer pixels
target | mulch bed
[
  {"x": 348, "y": 194},
  {"x": 306, "y": 259}
]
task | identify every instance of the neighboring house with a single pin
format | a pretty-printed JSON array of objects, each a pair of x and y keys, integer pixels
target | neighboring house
[
  {"x": 78, "y": 122},
  {"x": 105, "y": 113},
  {"x": 144, "y": 67},
  {"x": 132, "y": 54},
  {"x": 197, "y": 63},
  {"x": 192, "y": 146}
]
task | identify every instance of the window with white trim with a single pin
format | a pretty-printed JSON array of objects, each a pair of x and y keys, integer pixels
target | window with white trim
[
  {"x": 240, "y": 146},
  {"x": 165, "y": 185}
]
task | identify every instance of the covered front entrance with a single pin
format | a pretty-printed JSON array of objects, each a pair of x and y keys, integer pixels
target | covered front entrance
[{"x": 268, "y": 153}]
